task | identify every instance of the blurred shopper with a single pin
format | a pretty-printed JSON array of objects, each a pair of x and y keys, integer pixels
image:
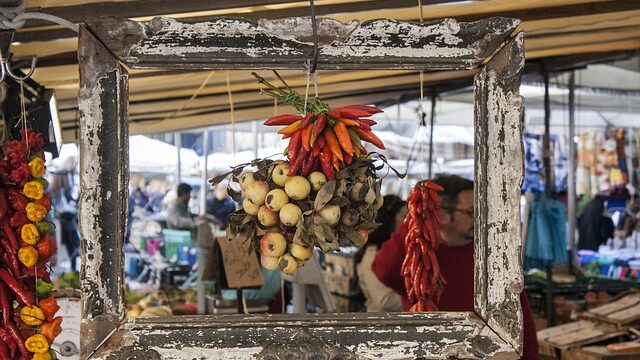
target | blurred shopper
[
  {"x": 66, "y": 209},
  {"x": 178, "y": 216},
  {"x": 220, "y": 205},
  {"x": 595, "y": 226},
  {"x": 455, "y": 257},
  {"x": 378, "y": 296}
]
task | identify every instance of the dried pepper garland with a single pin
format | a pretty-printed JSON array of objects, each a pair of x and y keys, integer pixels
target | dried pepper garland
[
  {"x": 29, "y": 324},
  {"x": 420, "y": 268}
]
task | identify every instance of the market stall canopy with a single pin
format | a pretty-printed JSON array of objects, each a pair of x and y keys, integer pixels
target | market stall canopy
[
  {"x": 559, "y": 34},
  {"x": 151, "y": 156}
]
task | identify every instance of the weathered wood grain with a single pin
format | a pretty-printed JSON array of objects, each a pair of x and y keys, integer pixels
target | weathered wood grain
[
  {"x": 327, "y": 336},
  {"x": 104, "y": 179},
  {"x": 234, "y": 43},
  {"x": 499, "y": 169}
]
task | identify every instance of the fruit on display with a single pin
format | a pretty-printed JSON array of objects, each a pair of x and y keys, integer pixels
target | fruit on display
[
  {"x": 276, "y": 199},
  {"x": 317, "y": 179},
  {"x": 325, "y": 194},
  {"x": 256, "y": 192},
  {"x": 297, "y": 188},
  {"x": 290, "y": 214},
  {"x": 273, "y": 244}
]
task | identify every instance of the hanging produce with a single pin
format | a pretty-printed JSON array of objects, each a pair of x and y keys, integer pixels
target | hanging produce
[
  {"x": 29, "y": 323},
  {"x": 326, "y": 193},
  {"x": 420, "y": 269}
]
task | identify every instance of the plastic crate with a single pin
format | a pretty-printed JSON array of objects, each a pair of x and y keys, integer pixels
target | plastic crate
[{"x": 174, "y": 240}]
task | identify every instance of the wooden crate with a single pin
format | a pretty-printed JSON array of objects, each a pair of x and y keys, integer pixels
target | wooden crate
[
  {"x": 625, "y": 309},
  {"x": 598, "y": 353},
  {"x": 555, "y": 342}
]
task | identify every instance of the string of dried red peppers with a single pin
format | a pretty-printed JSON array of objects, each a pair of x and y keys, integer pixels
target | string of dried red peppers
[
  {"x": 420, "y": 268},
  {"x": 29, "y": 324}
]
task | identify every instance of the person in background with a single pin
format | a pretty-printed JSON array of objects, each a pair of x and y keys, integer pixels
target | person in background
[
  {"x": 455, "y": 257},
  {"x": 178, "y": 214},
  {"x": 378, "y": 296},
  {"x": 630, "y": 219},
  {"x": 595, "y": 226},
  {"x": 66, "y": 209},
  {"x": 220, "y": 205}
]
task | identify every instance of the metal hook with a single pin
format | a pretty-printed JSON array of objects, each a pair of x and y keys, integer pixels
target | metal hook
[
  {"x": 34, "y": 60},
  {"x": 314, "y": 28}
]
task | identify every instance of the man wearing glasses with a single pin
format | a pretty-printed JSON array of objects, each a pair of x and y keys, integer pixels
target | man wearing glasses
[{"x": 455, "y": 257}]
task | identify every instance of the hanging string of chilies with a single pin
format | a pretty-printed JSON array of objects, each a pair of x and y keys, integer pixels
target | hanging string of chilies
[
  {"x": 420, "y": 270},
  {"x": 29, "y": 325}
]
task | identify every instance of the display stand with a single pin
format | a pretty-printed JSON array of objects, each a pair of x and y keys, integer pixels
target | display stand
[{"x": 309, "y": 275}]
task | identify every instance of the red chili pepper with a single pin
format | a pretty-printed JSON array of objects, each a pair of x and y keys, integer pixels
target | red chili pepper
[
  {"x": 19, "y": 219},
  {"x": 21, "y": 295},
  {"x": 286, "y": 119},
  {"x": 325, "y": 161},
  {"x": 343, "y": 138},
  {"x": 49, "y": 307},
  {"x": 8, "y": 232},
  {"x": 367, "y": 108},
  {"x": 17, "y": 199},
  {"x": 5, "y": 305},
  {"x": 335, "y": 162},
  {"x": 334, "y": 113},
  {"x": 347, "y": 158},
  {"x": 15, "y": 334},
  {"x": 319, "y": 125},
  {"x": 318, "y": 146},
  {"x": 294, "y": 147},
  {"x": 363, "y": 126},
  {"x": 44, "y": 201},
  {"x": 370, "y": 137},
  {"x": 332, "y": 143},
  {"x": 298, "y": 164},
  {"x": 47, "y": 247},
  {"x": 349, "y": 122},
  {"x": 367, "y": 121},
  {"x": 308, "y": 118},
  {"x": 352, "y": 113},
  {"x": 307, "y": 166},
  {"x": 306, "y": 137},
  {"x": 42, "y": 272},
  {"x": 3, "y": 203},
  {"x": 289, "y": 130},
  {"x": 8, "y": 340},
  {"x": 10, "y": 257},
  {"x": 4, "y": 351}
]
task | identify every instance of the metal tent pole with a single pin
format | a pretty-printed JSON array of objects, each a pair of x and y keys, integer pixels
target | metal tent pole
[
  {"x": 572, "y": 201},
  {"x": 548, "y": 187},
  {"x": 177, "y": 139},
  {"x": 202, "y": 252},
  {"x": 433, "y": 119}
]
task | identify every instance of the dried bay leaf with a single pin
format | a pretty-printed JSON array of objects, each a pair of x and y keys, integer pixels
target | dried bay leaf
[{"x": 324, "y": 195}]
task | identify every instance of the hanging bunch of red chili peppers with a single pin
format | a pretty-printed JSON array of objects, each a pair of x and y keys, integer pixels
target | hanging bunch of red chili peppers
[
  {"x": 29, "y": 324},
  {"x": 420, "y": 268},
  {"x": 324, "y": 139}
]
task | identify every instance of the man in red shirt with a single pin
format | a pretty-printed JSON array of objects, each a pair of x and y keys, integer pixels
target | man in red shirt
[{"x": 455, "y": 258}]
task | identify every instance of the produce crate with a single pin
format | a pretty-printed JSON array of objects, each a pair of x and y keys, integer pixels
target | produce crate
[{"x": 174, "y": 240}]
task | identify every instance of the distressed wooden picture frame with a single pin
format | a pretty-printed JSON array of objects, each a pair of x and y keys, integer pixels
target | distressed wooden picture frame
[{"x": 488, "y": 48}]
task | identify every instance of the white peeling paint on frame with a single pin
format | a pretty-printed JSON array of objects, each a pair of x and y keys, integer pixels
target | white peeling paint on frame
[
  {"x": 91, "y": 194},
  {"x": 440, "y": 335}
]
